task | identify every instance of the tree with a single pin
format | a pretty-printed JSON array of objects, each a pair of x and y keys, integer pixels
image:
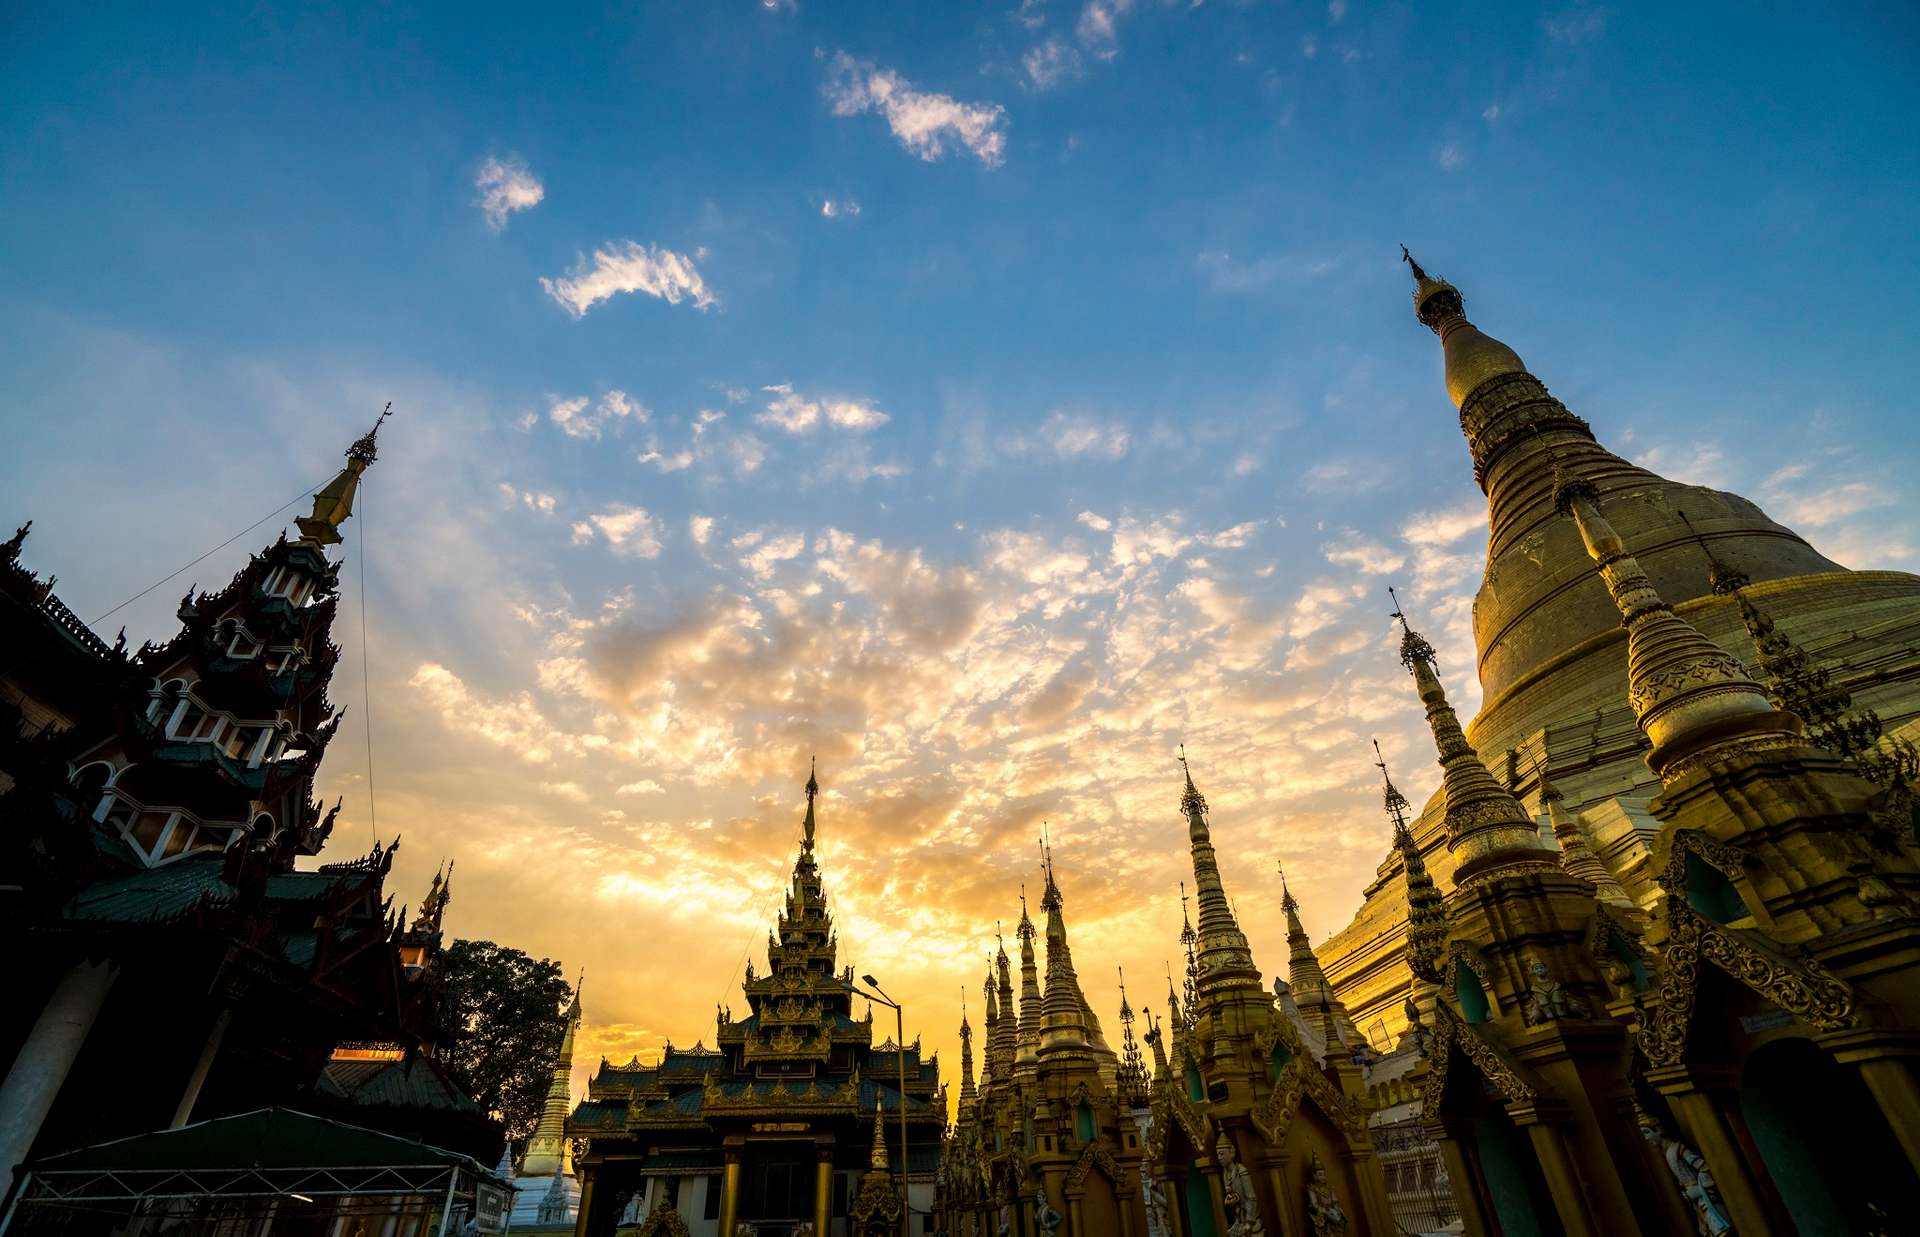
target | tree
[{"x": 504, "y": 1016}]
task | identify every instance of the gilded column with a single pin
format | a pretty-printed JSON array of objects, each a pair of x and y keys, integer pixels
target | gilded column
[
  {"x": 201, "y": 1068},
  {"x": 1468, "y": 1191},
  {"x": 730, "y": 1191},
  {"x": 588, "y": 1180},
  {"x": 822, "y": 1188}
]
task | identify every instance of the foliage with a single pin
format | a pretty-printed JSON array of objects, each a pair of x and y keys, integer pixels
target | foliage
[{"x": 504, "y": 1014}]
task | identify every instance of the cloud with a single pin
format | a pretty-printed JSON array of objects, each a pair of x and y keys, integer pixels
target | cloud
[
  {"x": 1336, "y": 10},
  {"x": 766, "y": 550},
  {"x": 1226, "y": 274},
  {"x": 796, "y": 414},
  {"x": 530, "y": 499},
  {"x": 844, "y": 208},
  {"x": 1577, "y": 25},
  {"x": 922, "y": 122},
  {"x": 627, "y": 266},
  {"x": 645, "y": 786},
  {"x": 1245, "y": 464},
  {"x": 579, "y": 417},
  {"x": 1700, "y": 463},
  {"x": 1071, "y": 435},
  {"x": 505, "y": 186},
  {"x": 1830, "y": 504},
  {"x": 1352, "y": 549},
  {"x": 700, "y": 528},
  {"x": 1449, "y": 157},
  {"x": 1049, "y": 63},
  {"x": 628, "y": 531},
  {"x": 1098, "y": 27},
  {"x": 1437, "y": 528}
]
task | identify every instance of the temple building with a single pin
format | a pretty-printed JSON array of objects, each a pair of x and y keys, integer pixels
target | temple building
[
  {"x": 153, "y": 805},
  {"x": 775, "y": 1126},
  {"x": 1552, "y": 653}
]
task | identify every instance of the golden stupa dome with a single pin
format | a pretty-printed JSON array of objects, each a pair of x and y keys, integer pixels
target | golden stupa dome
[{"x": 1473, "y": 357}]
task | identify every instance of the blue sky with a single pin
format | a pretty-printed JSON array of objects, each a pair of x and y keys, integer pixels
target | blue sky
[{"x": 1001, "y": 396}]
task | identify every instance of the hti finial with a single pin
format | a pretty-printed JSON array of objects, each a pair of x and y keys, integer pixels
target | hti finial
[
  {"x": 363, "y": 448},
  {"x": 1408, "y": 259},
  {"x": 1414, "y": 648}
]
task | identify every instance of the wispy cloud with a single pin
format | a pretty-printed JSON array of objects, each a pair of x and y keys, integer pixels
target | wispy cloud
[
  {"x": 1049, "y": 63},
  {"x": 1356, "y": 550},
  {"x": 923, "y": 122},
  {"x": 629, "y": 266},
  {"x": 1581, "y": 24},
  {"x": 581, "y": 417},
  {"x": 796, "y": 414},
  {"x": 1071, "y": 434},
  {"x": 1225, "y": 273},
  {"x": 839, "y": 208},
  {"x": 628, "y": 531},
  {"x": 505, "y": 186},
  {"x": 1099, "y": 26}
]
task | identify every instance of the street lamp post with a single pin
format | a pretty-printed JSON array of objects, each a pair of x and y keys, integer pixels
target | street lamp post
[{"x": 900, "y": 1055}]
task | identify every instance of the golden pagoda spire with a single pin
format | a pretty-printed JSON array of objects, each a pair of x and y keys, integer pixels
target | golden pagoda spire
[
  {"x": 1312, "y": 994},
  {"x": 990, "y": 1025},
  {"x": 877, "y": 1159},
  {"x": 813, "y": 790},
  {"x": 1132, "y": 1077},
  {"x": 1687, "y": 694},
  {"x": 1575, "y": 855},
  {"x": 1032, "y": 1011},
  {"x": 1472, "y": 357},
  {"x": 1063, "y": 1026},
  {"x": 1225, "y": 960},
  {"x": 1487, "y": 829},
  {"x": 1426, "y": 916},
  {"x": 333, "y": 504},
  {"x": 549, "y": 1150},
  {"x": 1006, "y": 1035},
  {"x": 967, "y": 1092},
  {"x": 1190, "y": 941}
]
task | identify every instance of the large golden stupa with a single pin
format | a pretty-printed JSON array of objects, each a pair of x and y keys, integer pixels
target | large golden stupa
[{"x": 1551, "y": 650}]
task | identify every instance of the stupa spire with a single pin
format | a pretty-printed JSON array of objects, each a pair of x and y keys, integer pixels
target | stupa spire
[
  {"x": 1426, "y": 914},
  {"x": 991, "y": 1025},
  {"x": 813, "y": 790},
  {"x": 1487, "y": 829},
  {"x": 1190, "y": 941},
  {"x": 1224, "y": 959},
  {"x": 1006, "y": 1036},
  {"x": 1063, "y": 1024},
  {"x": 1575, "y": 855},
  {"x": 1311, "y": 992},
  {"x": 550, "y": 1151},
  {"x": 1027, "y": 1042},
  {"x": 967, "y": 1092},
  {"x": 333, "y": 504},
  {"x": 1132, "y": 1076},
  {"x": 1686, "y": 693}
]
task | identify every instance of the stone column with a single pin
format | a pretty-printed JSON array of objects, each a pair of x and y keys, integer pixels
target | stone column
[
  {"x": 1370, "y": 1183},
  {"x": 202, "y": 1067},
  {"x": 1176, "y": 1205},
  {"x": 1705, "y": 1127},
  {"x": 730, "y": 1192},
  {"x": 822, "y": 1188},
  {"x": 1469, "y": 1192},
  {"x": 1556, "y": 1165},
  {"x": 1886, "y": 1061},
  {"x": 41, "y": 1066}
]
